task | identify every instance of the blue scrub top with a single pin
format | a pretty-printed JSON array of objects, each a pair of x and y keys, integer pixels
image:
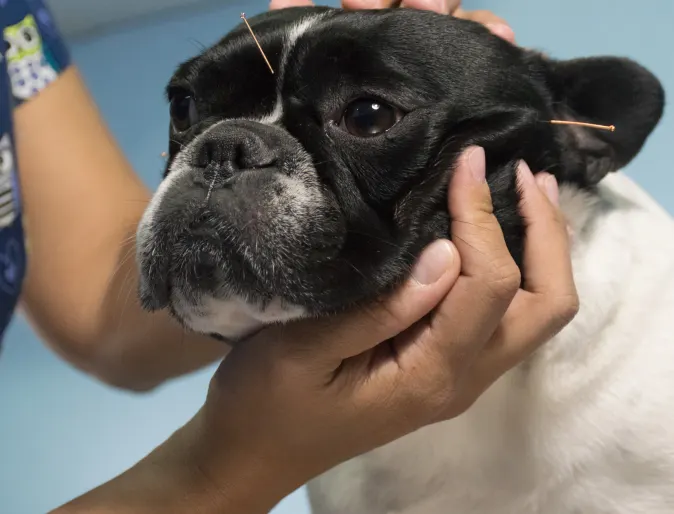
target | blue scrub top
[{"x": 32, "y": 56}]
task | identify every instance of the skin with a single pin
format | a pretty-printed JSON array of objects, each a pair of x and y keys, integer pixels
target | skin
[{"x": 81, "y": 215}]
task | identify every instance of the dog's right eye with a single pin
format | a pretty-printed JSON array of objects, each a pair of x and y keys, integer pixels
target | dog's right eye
[{"x": 184, "y": 112}]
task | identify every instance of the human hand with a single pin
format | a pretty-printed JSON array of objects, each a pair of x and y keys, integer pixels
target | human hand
[
  {"x": 497, "y": 25},
  {"x": 297, "y": 400}
]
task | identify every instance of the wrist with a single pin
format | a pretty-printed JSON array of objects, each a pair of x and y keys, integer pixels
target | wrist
[
  {"x": 185, "y": 474},
  {"x": 234, "y": 479}
]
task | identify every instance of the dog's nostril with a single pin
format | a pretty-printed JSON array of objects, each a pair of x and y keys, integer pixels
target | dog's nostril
[
  {"x": 240, "y": 158},
  {"x": 229, "y": 154},
  {"x": 247, "y": 159},
  {"x": 208, "y": 154}
]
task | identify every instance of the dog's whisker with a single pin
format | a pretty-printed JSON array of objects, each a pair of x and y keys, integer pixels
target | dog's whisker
[{"x": 210, "y": 187}]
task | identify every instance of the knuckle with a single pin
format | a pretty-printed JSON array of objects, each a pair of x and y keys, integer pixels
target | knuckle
[
  {"x": 557, "y": 217},
  {"x": 566, "y": 308},
  {"x": 384, "y": 313},
  {"x": 505, "y": 280}
]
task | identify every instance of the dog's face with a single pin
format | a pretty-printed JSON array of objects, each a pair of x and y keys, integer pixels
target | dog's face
[{"x": 314, "y": 189}]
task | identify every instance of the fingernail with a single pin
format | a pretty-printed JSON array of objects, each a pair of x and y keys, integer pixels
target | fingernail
[
  {"x": 370, "y": 4},
  {"x": 502, "y": 30},
  {"x": 477, "y": 163},
  {"x": 551, "y": 189},
  {"x": 433, "y": 263},
  {"x": 524, "y": 173}
]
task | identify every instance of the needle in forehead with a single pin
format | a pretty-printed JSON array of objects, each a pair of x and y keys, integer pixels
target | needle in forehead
[{"x": 250, "y": 29}]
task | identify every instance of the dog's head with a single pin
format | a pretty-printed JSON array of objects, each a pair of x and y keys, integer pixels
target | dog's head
[{"x": 313, "y": 189}]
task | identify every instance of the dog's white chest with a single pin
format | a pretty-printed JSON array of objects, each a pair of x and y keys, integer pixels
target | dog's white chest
[{"x": 586, "y": 427}]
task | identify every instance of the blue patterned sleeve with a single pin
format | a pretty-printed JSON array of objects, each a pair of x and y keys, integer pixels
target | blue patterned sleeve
[
  {"x": 32, "y": 55},
  {"x": 34, "y": 51}
]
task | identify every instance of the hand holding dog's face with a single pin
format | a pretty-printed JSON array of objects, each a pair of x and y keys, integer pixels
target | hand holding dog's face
[{"x": 314, "y": 189}]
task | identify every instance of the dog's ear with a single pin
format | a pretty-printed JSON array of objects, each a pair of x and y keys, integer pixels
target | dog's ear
[{"x": 606, "y": 91}]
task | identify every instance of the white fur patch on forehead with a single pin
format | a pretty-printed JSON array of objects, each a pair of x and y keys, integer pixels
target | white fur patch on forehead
[{"x": 295, "y": 32}]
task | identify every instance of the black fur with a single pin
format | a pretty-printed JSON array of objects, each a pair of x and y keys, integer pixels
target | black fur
[{"x": 457, "y": 85}]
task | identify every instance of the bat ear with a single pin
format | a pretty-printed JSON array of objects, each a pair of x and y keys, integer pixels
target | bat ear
[{"x": 607, "y": 91}]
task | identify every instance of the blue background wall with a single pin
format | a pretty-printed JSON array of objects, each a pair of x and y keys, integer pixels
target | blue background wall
[{"x": 60, "y": 432}]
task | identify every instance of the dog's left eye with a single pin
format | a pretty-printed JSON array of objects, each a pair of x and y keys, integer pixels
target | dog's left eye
[{"x": 368, "y": 118}]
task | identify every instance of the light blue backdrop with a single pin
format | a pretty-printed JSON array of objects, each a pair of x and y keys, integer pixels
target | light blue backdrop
[{"x": 60, "y": 432}]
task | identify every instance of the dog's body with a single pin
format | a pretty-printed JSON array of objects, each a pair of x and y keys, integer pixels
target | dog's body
[
  {"x": 585, "y": 426},
  {"x": 313, "y": 190}
]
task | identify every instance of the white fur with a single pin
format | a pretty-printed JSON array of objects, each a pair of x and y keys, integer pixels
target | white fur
[
  {"x": 294, "y": 33},
  {"x": 586, "y": 427},
  {"x": 234, "y": 317}
]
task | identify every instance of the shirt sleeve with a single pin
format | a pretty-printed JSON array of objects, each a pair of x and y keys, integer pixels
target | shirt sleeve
[{"x": 34, "y": 50}]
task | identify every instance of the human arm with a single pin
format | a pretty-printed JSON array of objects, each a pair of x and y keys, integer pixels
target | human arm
[
  {"x": 80, "y": 205},
  {"x": 245, "y": 450}
]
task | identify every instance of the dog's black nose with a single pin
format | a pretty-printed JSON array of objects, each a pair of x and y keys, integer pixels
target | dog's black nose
[{"x": 228, "y": 148}]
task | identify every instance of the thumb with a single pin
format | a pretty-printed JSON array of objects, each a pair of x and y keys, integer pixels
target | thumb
[{"x": 351, "y": 334}]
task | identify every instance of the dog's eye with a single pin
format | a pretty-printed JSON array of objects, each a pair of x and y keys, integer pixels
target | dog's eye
[
  {"x": 184, "y": 112},
  {"x": 368, "y": 118}
]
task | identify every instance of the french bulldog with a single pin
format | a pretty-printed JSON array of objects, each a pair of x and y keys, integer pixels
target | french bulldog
[{"x": 312, "y": 190}]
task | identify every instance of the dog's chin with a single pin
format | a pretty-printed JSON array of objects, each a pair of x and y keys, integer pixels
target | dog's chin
[
  {"x": 228, "y": 287},
  {"x": 233, "y": 318}
]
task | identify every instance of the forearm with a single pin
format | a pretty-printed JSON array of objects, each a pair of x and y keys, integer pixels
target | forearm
[
  {"x": 82, "y": 204},
  {"x": 172, "y": 480}
]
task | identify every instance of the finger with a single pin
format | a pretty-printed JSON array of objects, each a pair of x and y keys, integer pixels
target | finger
[
  {"x": 439, "y": 6},
  {"x": 495, "y": 24},
  {"x": 471, "y": 312},
  {"x": 549, "y": 300},
  {"x": 282, "y": 4},
  {"x": 367, "y": 4},
  {"x": 547, "y": 262},
  {"x": 352, "y": 334},
  {"x": 475, "y": 230}
]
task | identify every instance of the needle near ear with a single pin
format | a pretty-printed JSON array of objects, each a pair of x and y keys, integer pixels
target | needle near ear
[{"x": 610, "y": 128}]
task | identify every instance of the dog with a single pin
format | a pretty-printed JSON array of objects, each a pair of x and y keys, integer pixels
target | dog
[{"x": 312, "y": 190}]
